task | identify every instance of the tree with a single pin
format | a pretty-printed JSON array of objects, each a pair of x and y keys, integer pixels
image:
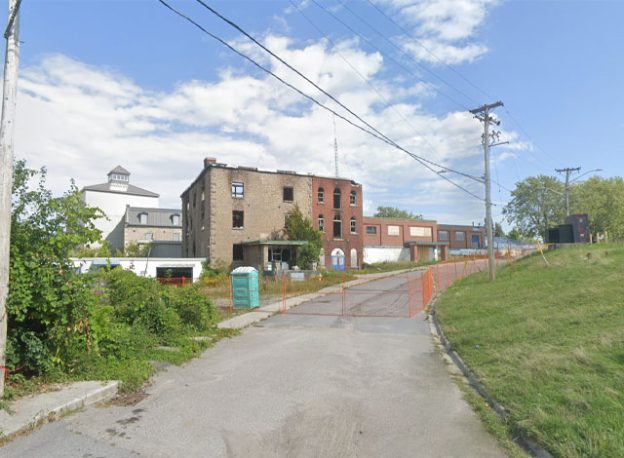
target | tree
[
  {"x": 603, "y": 201},
  {"x": 299, "y": 227},
  {"x": 138, "y": 250},
  {"x": 48, "y": 300},
  {"x": 498, "y": 230},
  {"x": 536, "y": 205},
  {"x": 394, "y": 212}
]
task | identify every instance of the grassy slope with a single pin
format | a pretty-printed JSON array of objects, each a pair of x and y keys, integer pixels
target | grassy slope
[{"x": 548, "y": 343}]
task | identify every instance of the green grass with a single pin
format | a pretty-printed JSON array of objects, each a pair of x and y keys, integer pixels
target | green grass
[
  {"x": 548, "y": 343},
  {"x": 133, "y": 370}
]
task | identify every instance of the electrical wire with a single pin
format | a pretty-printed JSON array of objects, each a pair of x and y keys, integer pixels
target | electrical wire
[
  {"x": 368, "y": 82},
  {"x": 409, "y": 56},
  {"x": 313, "y": 100},
  {"x": 482, "y": 91},
  {"x": 389, "y": 57},
  {"x": 431, "y": 53}
]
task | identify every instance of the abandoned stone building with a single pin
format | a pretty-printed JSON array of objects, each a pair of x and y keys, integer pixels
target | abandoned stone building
[{"x": 236, "y": 215}]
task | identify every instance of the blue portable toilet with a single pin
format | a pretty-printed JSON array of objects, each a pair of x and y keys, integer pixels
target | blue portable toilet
[{"x": 245, "y": 292}]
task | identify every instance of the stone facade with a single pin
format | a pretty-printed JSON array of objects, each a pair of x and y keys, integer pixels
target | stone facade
[
  {"x": 211, "y": 229},
  {"x": 143, "y": 225}
]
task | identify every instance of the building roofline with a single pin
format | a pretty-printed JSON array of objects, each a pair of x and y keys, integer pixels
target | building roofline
[
  {"x": 257, "y": 170},
  {"x": 135, "y": 191},
  {"x": 399, "y": 219}
]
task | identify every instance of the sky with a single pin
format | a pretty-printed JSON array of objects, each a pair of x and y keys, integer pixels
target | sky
[{"x": 118, "y": 82}]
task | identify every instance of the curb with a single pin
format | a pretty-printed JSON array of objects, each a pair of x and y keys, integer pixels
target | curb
[
  {"x": 105, "y": 392},
  {"x": 530, "y": 446}
]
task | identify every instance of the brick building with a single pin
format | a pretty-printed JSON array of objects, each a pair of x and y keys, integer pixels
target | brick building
[
  {"x": 236, "y": 215},
  {"x": 462, "y": 237},
  {"x": 337, "y": 213},
  {"x": 394, "y": 239}
]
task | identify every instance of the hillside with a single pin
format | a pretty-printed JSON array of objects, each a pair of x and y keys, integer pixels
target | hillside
[{"x": 548, "y": 343}]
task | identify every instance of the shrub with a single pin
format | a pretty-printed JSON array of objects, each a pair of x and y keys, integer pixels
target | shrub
[{"x": 193, "y": 307}]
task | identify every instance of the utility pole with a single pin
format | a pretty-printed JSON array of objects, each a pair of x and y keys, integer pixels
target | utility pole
[
  {"x": 483, "y": 114},
  {"x": 11, "y": 62},
  {"x": 568, "y": 171}
]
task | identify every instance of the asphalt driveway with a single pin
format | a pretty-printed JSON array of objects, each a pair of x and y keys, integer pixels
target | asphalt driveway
[{"x": 292, "y": 386}]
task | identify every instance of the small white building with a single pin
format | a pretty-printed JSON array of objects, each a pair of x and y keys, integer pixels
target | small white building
[
  {"x": 113, "y": 198},
  {"x": 146, "y": 267}
]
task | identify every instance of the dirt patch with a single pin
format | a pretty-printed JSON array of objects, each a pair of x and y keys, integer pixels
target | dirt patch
[{"x": 129, "y": 399}]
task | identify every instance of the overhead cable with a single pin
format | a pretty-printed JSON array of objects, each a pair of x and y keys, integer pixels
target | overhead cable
[{"x": 373, "y": 132}]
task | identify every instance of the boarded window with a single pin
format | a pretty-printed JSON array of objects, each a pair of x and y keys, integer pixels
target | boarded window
[
  {"x": 237, "y": 252},
  {"x": 289, "y": 194},
  {"x": 460, "y": 236},
  {"x": 394, "y": 230},
  {"x": 149, "y": 236},
  {"x": 420, "y": 231},
  {"x": 238, "y": 219}
]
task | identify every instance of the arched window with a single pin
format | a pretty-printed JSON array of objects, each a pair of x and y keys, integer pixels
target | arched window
[
  {"x": 321, "y": 223},
  {"x": 321, "y": 195},
  {"x": 353, "y": 225},
  {"x": 353, "y": 199},
  {"x": 337, "y": 195}
]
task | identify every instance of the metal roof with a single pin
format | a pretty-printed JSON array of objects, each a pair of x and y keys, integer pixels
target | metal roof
[
  {"x": 120, "y": 170},
  {"x": 131, "y": 189},
  {"x": 156, "y": 217}
]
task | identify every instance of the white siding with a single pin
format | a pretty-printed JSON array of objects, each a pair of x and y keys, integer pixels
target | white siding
[{"x": 114, "y": 207}]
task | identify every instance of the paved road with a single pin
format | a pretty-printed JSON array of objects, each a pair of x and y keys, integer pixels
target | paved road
[{"x": 293, "y": 386}]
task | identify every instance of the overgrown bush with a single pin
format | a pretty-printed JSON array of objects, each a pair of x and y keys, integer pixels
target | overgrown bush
[
  {"x": 63, "y": 324},
  {"x": 193, "y": 307}
]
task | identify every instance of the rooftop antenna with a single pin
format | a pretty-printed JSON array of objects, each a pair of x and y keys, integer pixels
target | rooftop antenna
[{"x": 335, "y": 149}]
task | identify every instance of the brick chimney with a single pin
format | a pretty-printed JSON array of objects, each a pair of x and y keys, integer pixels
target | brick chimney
[{"x": 208, "y": 161}]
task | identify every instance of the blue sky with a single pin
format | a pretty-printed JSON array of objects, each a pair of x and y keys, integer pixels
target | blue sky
[{"x": 126, "y": 82}]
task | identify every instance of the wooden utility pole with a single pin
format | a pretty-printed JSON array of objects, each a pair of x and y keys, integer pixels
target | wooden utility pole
[
  {"x": 568, "y": 171},
  {"x": 483, "y": 114},
  {"x": 7, "y": 123}
]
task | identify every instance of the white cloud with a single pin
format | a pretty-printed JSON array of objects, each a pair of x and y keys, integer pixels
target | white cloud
[
  {"x": 443, "y": 28},
  {"x": 81, "y": 121}
]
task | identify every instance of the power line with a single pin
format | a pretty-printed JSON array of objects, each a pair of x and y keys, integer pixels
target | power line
[
  {"x": 389, "y": 57},
  {"x": 380, "y": 136},
  {"x": 420, "y": 43},
  {"x": 482, "y": 91},
  {"x": 368, "y": 82},
  {"x": 409, "y": 56},
  {"x": 334, "y": 99}
]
